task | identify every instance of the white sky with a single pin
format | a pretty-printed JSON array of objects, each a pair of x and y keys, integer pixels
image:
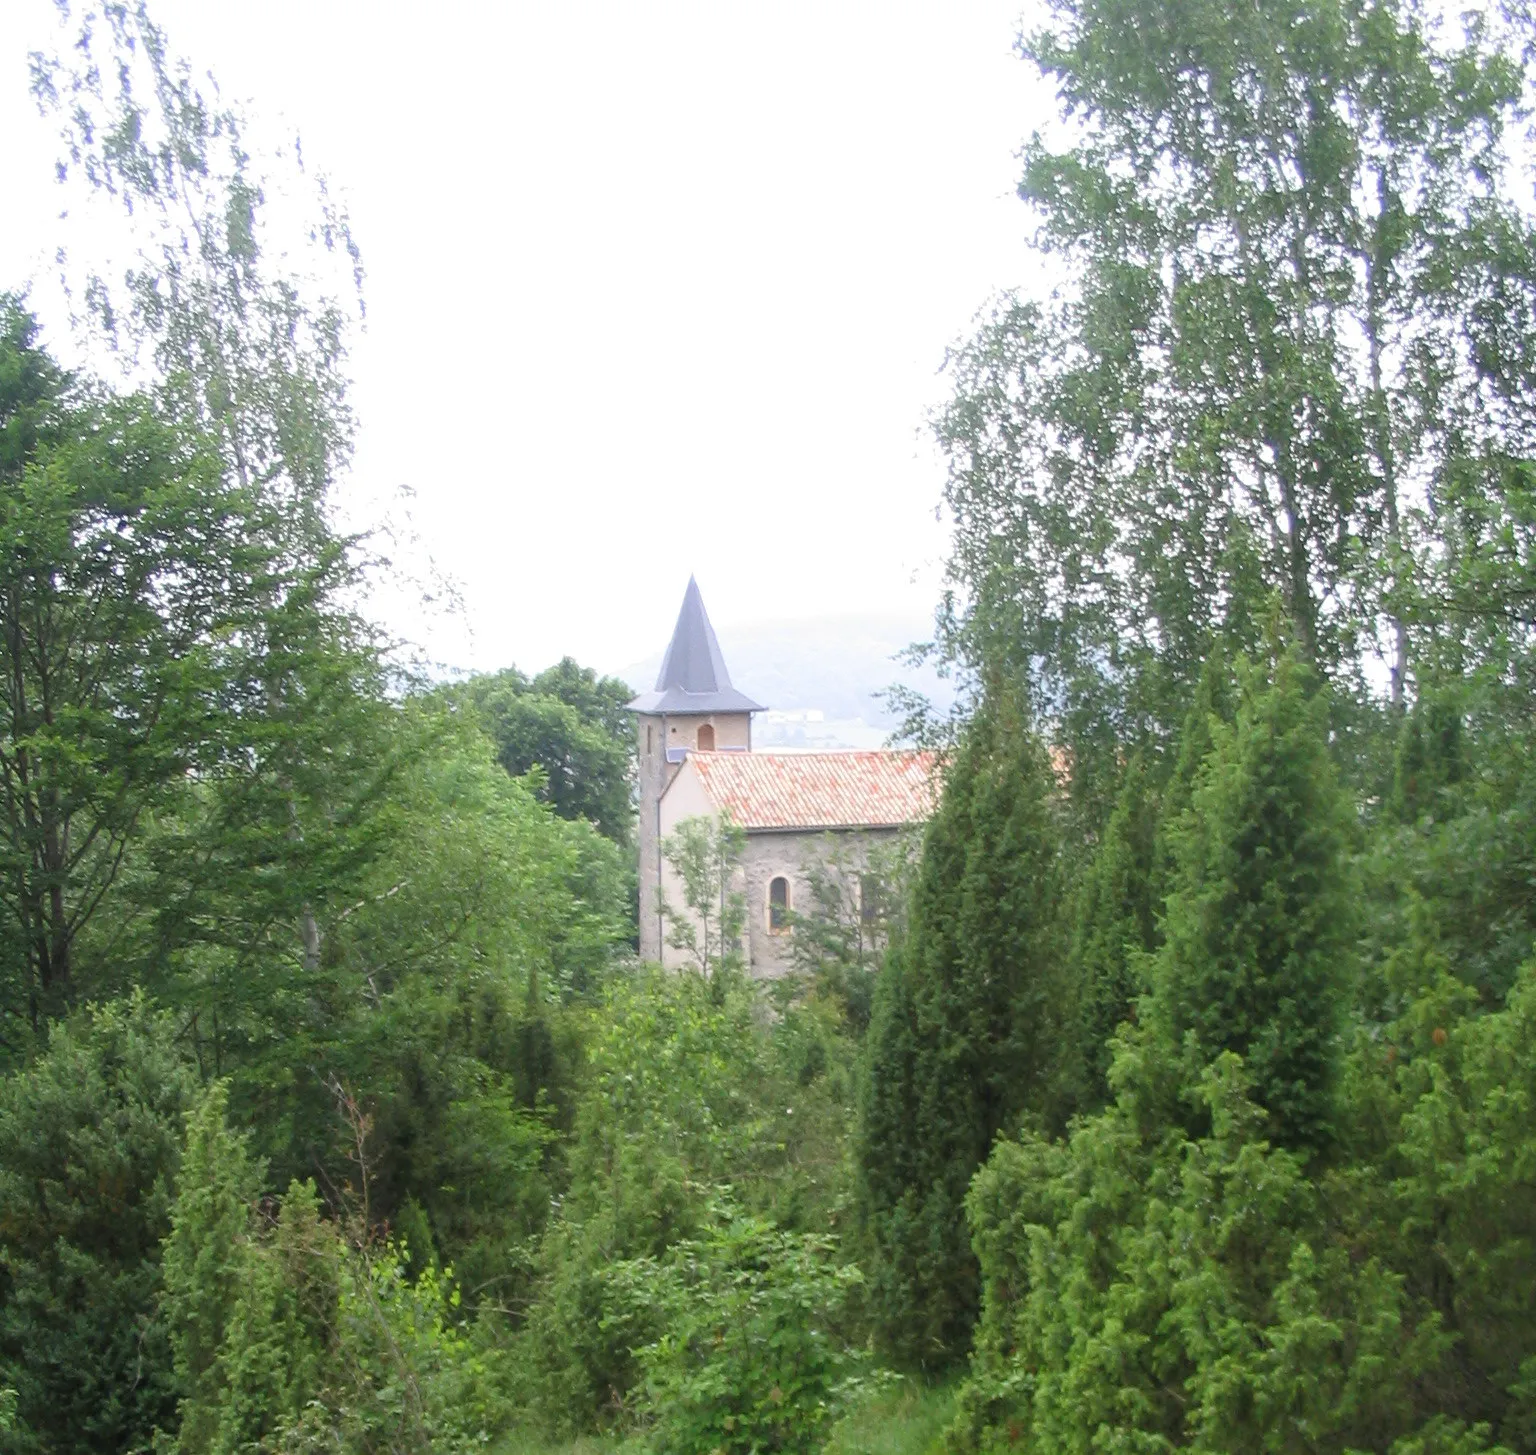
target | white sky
[{"x": 653, "y": 288}]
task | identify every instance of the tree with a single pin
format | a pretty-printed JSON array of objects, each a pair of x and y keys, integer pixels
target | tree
[
  {"x": 207, "y": 1262},
  {"x": 705, "y": 854},
  {"x": 90, "y": 1142},
  {"x": 972, "y": 1027},
  {"x": 127, "y": 566},
  {"x": 1117, "y": 913},
  {"x": 1297, "y": 275},
  {"x": 237, "y": 316},
  {"x": 294, "y": 1332},
  {"x": 571, "y": 724},
  {"x": 449, "y": 951},
  {"x": 1259, "y": 918},
  {"x": 223, "y": 296}
]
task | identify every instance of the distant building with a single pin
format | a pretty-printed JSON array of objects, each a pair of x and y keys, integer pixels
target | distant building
[{"x": 696, "y": 759}]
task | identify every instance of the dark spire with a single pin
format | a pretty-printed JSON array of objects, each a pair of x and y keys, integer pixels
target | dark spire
[{"x": 693, "y": 676}]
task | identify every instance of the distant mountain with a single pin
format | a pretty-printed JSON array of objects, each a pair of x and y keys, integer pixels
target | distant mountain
[{"x": 819, "y": 678}]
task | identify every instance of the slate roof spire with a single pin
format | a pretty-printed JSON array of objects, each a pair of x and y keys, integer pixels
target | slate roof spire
[{"x": 693, "y": 676}]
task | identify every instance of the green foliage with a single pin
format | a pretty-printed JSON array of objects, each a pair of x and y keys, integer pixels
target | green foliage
[
  {"x": 273, "y": 1360},
  {"x": 90, "y": 1140},
  {"x": 206, "y": 1265},
  {"x": 755, "y": 1354},
  {"x": 687, "y": 1087},
  {"x": 1450, "y": 863},
  {"x": 668, "y": 1110},
  {"x": 972, "y": 1027},
  {"x": 1258, "y": 923},
  {"x": 134, "y": 576},
  {"x": 1461, "y": 1160},
  {"x": 570, "y": 723},
  {"x": 705, "y": 855},
  {"x": 1430, "y": 762},
  {"x": 402, "y": 1373},
  {"x": 242, "y": 310},
  {"x": 238, "y": 704},
  {"x": 290, "y": 1335},
  {"x": 1238, "y": 1120},
  {"x": 1226, "y": 1303},
  {"x": 1296, "y": 279},
  {"x": 901, "y": 1418},
  {"x": 1231, "y": 1297},
  {"x": 434, "y": 1003},
  {"x": 1117, "y": 913}
]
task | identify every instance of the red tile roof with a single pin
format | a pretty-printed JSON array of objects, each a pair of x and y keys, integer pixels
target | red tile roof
[{"x": 820, "y": 790}]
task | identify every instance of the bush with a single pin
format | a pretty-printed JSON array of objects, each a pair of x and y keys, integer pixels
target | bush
[
  {"x": 90, "y": 1139},
  {"x": 754, "y": 1357},
  {"x": 291, "y": 1333},
  {"x": 402, "y": 1373},
  {"x": 1152, "y": 1291},
  {"x": 690, "y": 1085},
  {"x": 673, "y": 1090}
]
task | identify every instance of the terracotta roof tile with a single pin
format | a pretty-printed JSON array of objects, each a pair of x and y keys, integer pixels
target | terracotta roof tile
[{"x": 820, "y": 790}]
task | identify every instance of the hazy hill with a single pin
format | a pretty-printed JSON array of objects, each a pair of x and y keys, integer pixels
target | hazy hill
[{"x": 819, "y": 677}]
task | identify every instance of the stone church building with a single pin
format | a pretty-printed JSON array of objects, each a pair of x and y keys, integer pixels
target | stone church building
[{"x": 696, "y": 759}]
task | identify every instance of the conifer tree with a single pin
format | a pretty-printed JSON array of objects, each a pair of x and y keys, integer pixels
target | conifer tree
[
  {"x": 90, "y": 1140},
  {"x": 208, "y": 1261},
  {"x": 1258, "y": 921},
  {"x": 1215, "y": 701},
  {"x": 1116, "y": 922},
  {"x": 971, "y": 1029}
]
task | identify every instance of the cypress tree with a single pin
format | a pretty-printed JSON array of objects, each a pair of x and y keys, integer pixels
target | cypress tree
[
  {"x": 1257, "y": 928},
  {"x": 208, "y": 1261},
  {"x": 1215, "y": 701},
  {"x": 1116, "y": 923},
  {"x": 972, "y": 1027}
]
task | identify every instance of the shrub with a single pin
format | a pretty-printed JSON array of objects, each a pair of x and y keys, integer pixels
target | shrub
[
  {"x": 90, "y": 1138},
  {"x": 1156, "y": 1292},
  {"x": 754, "y": 1357},
  {"x": 690, "y": 1085},
  {"x": 293, "y": 1333}
]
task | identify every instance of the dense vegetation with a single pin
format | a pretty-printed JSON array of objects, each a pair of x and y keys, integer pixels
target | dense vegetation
[{"x": 1176, "y": 1089}]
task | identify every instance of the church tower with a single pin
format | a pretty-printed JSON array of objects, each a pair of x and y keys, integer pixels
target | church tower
[{"x": 693, "y": 708}]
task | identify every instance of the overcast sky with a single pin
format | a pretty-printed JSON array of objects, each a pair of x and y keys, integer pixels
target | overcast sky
[{"x": 653, "y": 288}]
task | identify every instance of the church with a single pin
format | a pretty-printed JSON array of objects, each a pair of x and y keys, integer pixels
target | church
[{"x": 696, "y": 760}]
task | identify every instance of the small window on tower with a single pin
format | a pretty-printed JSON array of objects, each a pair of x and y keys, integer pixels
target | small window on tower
[
  {"x": 650, "y": 738},
  {"x": 778, "y": 906},
  {"x": 707, "y": 738}
]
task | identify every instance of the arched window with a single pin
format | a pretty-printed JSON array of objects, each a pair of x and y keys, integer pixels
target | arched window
[
  {"x": 778, "y": 906},
  {"x": 707, "y": 737}
]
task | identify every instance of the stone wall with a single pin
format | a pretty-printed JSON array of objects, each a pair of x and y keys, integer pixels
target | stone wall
[{"x": 770, "y": 854}]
